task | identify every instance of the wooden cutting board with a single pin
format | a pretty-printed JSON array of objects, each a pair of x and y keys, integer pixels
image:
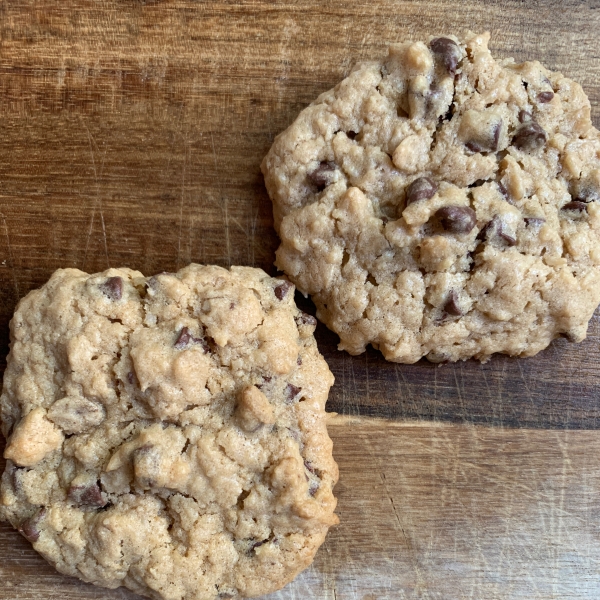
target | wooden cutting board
[{"x": 132, "y": 133}]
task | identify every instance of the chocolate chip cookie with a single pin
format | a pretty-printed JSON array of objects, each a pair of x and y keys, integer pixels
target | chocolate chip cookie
[
  {"x": 168, "y": 433},
  {"x": 441, "y": 203}
]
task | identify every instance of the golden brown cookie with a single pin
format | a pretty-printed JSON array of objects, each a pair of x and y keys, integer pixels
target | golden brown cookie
[
  {"x": 441, "y": 203},
  {"x": 168, "y": 433}
]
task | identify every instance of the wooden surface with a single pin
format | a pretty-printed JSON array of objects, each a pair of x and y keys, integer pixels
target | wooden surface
[
  {"x": 432, "y": 511},
  {"x": 132, "y": 133}
]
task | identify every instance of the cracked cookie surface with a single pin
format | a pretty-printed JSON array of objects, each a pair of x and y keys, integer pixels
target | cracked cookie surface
[
  {"x": 168, "y": 433},
  {"x": 440, "y": 203}
]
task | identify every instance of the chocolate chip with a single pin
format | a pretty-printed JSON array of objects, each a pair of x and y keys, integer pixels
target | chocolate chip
[
  {"x": 351, "y": 134},
  {"x": 495, "y": 136},
  {"x": 530, "y": 136},
  {"x": 503, "y": 190},
  {"x": 495, "y": 227},
  {"x": 480, "y": 131},
  {"x": 534, "y": 221},
  {"x": 130, "y": 377},
  {"x": 474, "y": 146},
  {"x": 452, "y": 306},
  {"x": 488, "y": 229},
  {"x": 15, "y": 477},
  {"x": 575, "y": 205},
  {"x": 509, "y": 239},
  {"x": 313, "y": 487},
  {"x": 544, "y": 97},
  {"x": 291, "y": 391},
  {"x": 299, "y": 361},
  {"x": 309, "y": 466},
  {"x": 257, "y": 544},
  {"x": 306, "y": 320},
  {"x": 112, "y": 288},
  {"x": 456, "y": 219},
  {"x": 185, "y": 338},
  {"x": 29, "y": 528},
  {"x": 87, "y": 495},
  {"x": 321, "y": 177},
  {"x": 524, "y": 116},
  {"x": 447, "y": 51},
  {"x": 585, "y": 191},
  {"x": 422, "y": 188},
  {"x": 281, "y": 291}
]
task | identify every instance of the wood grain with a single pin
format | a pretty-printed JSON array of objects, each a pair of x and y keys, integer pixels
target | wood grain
[
  {"x": 431, "y": 511},
  {"x": 132, "y": 133}
]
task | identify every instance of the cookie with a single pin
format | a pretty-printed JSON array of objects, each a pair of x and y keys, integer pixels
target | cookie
[
  {"x": 440, "y": 203},
  {"x": 168, "y": 433}
]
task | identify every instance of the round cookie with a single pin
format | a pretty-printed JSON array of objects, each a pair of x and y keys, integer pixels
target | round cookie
[
  {"x": 440, "y": 203},
  {"x": 168, "y": 433}
]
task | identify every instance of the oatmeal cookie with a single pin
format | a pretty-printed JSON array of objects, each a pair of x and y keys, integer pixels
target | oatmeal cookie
[
  {"x": 168, "y": 433},
  {"x": 441, "y": 203}
]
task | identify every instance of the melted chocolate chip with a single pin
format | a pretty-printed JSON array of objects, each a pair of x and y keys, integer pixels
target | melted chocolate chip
[
  {"x": 575, "y": 205},
  {"x": 422, "y": 188},
  {"x": 291, "y": 391},
  {"x": 29, "y": 528},
  {"x": 447, "y": 51},
  {"x": 530, "y": 136},
  {"x": 87, "y": 495},
  {"x": 185, "y": 338},
  {"x": 544, "y": 97},
  {"x": 534, "y": 221},
  {"x": 112, "y": 288},
  {"x": 321, "y": 177},
  {"x": 452, "y": 306},
  {"x": 281, "y": 291},
  {"x": 456, "y": 219}
]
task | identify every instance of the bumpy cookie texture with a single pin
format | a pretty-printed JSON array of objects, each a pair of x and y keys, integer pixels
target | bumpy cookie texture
[
  {"x": 441, "y": 203},
  {"x": 168, "y": 433}
]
